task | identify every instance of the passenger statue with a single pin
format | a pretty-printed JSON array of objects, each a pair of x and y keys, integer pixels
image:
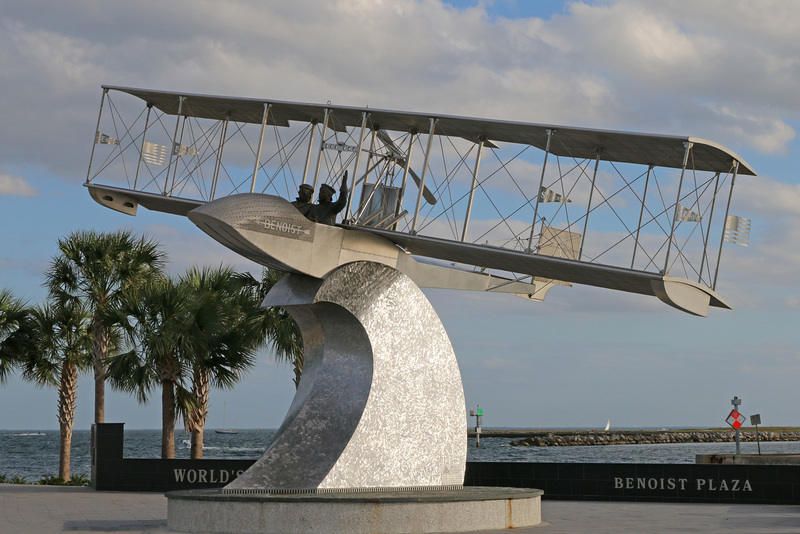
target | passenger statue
[
  {"x": 303, "y": 202},
  {"x": 325, "y": 210}
]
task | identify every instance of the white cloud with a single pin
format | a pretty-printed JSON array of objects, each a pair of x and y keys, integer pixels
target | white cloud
[
  {"x": 11, "y": 185},
  {"x": 728, "y": 71},
  {"x": 768, "y": 198},
  {"x": 770, "y": 135},
  {"x": 663, "y": 66},
  {"x": 636, "y": 38}
]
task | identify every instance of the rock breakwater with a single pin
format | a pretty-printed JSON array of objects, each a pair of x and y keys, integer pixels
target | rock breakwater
[{"x": 575, "y": 438}]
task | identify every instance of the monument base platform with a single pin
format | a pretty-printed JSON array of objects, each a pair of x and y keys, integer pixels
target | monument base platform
[{"x": 470, "y": 509}]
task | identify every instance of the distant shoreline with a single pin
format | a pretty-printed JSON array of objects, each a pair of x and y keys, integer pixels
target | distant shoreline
[
  {"x": 561, "y": 438},
  {"x": 522, "y": 432}
]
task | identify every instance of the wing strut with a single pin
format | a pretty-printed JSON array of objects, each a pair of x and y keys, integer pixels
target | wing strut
[
  {"x": 541, "y": 184},
  {"x": 260, "y": 145},
  {"x": 321, "y": 148},
  {"x": 472, "y": 189},
  {"x": 424, "y": 175}
]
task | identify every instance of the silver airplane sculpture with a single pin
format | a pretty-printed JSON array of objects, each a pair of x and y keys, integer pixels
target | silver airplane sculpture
[{"x": 495, "y": 205}]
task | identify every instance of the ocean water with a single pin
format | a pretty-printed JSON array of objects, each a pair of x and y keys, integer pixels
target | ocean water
[{"x": 33, "y": 454}]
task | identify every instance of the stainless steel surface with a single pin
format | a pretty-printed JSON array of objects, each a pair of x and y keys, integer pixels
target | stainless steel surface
[
  {"x": 736, "y": 171},
  {"x": 541, "y": 184},
  {"x": 617, "y": 254},
  {"x": 625, "y": 147},
  {"x": 472, "y": 190},
  {"x": 270, "y": 232},
  {"x": 380, "y": 403},
  {"x": 677, "y": 203},
  {"x": 260, "y": 145},
  {"x": 421, "y": 184},
  {"x": 319, "y": 158},
  {"x": 151, "y": 201},
  {"x": 548, "y": 267},
  {"x": 362, "y": 133},
  {"x": 589, "y": 205}
]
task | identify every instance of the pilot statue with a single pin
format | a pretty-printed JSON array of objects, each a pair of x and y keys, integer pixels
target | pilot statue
[
  {"x": 303, "y": 201},
  {"x": 324, "y": 211}
]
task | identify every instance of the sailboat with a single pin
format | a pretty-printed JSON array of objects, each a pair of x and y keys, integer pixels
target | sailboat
[
  {"x": 225, "y": 430},
  {"x": 608, "y": 424}
]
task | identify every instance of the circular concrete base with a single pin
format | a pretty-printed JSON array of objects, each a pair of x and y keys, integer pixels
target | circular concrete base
[{"x": 465, "y": 510}]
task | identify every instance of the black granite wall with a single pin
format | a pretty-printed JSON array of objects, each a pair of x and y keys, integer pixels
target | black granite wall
[
  {"x": 112, "y": 472},
  {"x": 756, "y": 484}
]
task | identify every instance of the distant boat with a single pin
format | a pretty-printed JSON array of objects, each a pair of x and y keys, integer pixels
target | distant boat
[
  {"x": 608, "y": 424},
  {"x": 225, "y": 430}
]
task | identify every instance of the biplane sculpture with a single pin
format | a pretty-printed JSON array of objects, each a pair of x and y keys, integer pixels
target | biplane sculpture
[{"x": 440, "y": 201}]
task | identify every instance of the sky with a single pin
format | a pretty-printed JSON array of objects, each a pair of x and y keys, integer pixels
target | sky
[{"x": 723, "y": 70}]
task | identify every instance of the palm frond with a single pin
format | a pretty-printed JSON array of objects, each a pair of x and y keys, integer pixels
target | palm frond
[
  {"x": 15, "y": 332},
  {"x": 126, "y": 372}
]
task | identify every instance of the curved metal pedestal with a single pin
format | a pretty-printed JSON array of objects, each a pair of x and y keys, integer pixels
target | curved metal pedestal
[
  {"x": 464, "y": 510},
  {"x": 380, "y": 404}
]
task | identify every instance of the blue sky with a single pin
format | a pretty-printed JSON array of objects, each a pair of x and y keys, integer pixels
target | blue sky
[{"x": 728, "y": 72}]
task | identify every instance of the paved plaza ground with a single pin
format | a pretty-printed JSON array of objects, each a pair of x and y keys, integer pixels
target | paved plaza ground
[{"x": 46, "y": 509}]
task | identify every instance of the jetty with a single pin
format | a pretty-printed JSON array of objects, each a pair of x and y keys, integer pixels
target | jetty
[{"x": 565, "y": 438}]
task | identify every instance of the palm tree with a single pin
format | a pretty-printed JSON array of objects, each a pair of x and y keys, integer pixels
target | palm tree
[
  {"x": 155, "y": 319},
  {"x": 227, "y": 329},
  {"x": 14, "y": 331},
  {"x": 96, "y": 268},
  {"x": 62, "y": 347},
  {"x": 282, "y": 334}
]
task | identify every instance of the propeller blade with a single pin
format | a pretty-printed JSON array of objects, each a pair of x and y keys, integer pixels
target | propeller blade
[
  {"x": 426, "y": 193},
  {"x": 387, "y": 141},
  {"x": 399, "y": 157}
]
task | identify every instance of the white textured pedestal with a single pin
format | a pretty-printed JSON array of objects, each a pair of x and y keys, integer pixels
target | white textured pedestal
[
  {"x": 380, "y": 404},
  {"x": 467, "y": 510}
]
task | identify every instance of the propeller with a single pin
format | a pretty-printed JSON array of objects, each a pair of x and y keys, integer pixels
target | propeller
[{"x": 399, "y": 157}]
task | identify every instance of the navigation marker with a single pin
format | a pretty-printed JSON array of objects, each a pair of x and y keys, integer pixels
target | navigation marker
[{"x": 735, "y": 419}]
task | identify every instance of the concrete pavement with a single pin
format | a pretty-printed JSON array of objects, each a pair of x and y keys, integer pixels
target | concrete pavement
[
  {"x": 47, "y": 509},
  {"x": 30, "y": 509}
]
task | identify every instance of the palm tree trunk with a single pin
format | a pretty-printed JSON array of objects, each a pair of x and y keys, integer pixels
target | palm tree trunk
[
  {"x": 167, "y": 419},
  {"x": 197, "y": 443},
  {"x": 67, "y": 396},
  {"x": 100, "y": 348},
  {"x": 64, "y": 451},
  {"x": 297, "y": 365},
  {"x": 201, "y": 384}
]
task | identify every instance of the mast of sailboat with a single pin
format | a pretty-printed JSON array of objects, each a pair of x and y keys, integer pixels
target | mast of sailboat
[{"x": 224, "y": 413}]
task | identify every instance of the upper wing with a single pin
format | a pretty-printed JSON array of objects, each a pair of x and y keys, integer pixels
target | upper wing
[{"x": 624, "y": 147}]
